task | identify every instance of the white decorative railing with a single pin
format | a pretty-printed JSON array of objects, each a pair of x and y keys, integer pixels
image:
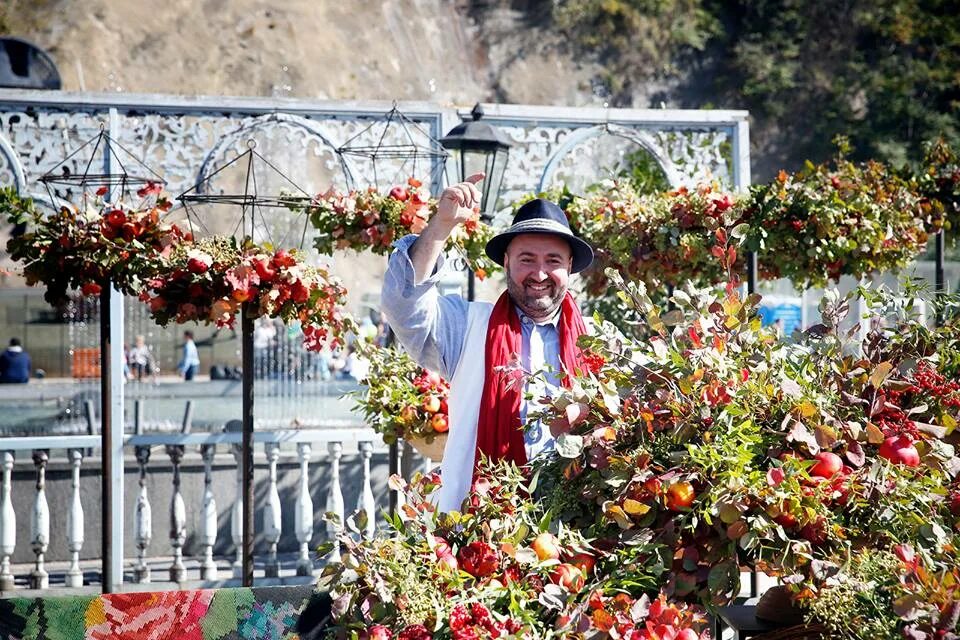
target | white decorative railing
[{"x": 308, "y": 522}]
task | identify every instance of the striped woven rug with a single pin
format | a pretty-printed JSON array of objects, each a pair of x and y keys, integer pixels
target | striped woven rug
[{"x": 268, "y": 613}]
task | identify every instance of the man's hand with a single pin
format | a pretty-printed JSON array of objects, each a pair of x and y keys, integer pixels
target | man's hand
[{"x": 460, "y": 202}]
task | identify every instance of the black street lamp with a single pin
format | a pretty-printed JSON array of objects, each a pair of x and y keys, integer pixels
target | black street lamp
[{"x": 479, "y": 146}]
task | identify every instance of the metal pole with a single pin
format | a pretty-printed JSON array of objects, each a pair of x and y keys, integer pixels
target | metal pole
[
  {"x": 246, "y": 447},
  {"x": 939, "y": 276},
  {"x": 394, "y": 470},
  {"x": 751, "y": 272},
  {"x": 106, "y": 445},
  {"x": 471, "y": 285}
]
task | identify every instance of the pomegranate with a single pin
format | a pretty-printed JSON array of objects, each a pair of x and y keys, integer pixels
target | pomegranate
[{"x": 900, "y": 450}]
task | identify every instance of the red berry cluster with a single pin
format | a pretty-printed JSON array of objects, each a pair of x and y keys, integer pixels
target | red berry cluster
[
  {"x": 929, "y": 382},
  {"x": 891, "y": 419},
  {"x": 475, "y": 622}
]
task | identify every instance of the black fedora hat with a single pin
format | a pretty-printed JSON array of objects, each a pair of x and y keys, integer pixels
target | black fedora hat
[{"x": 541, "y": 216}]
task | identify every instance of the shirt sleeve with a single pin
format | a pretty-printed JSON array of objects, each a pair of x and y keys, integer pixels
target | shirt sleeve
[{"x": 430, "y": 327}]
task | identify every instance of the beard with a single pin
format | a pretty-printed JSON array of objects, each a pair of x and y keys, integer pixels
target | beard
[{"x": 538, "y": 305}]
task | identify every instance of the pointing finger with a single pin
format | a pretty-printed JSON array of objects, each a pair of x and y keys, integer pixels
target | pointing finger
[{"x": 475, "y": 178}]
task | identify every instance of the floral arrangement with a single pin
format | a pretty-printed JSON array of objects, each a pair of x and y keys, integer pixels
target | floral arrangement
[
  {"x": 828, "y": 220},
  {"x": 91, "y": 248},
  {"x": 836, "y": 219},
  {"x": 366, "y": 220},
  {"x": 940, "y": 183},
  {"x": 719, "y": 446},
  {"x": 659, "y": 239},
  {"x": 402, "y": 399},
  {"x": 209, "y": 279},
  {"x": 492, "y": 571}
]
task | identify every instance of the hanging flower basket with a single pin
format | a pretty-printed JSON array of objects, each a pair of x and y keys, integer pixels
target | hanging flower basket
[
  {"x": 939, "y": 182},
  {"x": 660, "y": 239},
  {"x": 367, "y": 220},
  {"x": 208, "y": 280},
  {"x": 89, "y": 249},
  {"x": 836, "y": 219}
]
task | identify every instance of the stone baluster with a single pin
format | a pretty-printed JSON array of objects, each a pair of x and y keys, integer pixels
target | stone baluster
[
  {"x": 40, "y": 523},
  {"x": 208, "y": 516},
  {"x": 143, "y": 518},
  {"x": 366, "y": 502},
  {"x": 178, "y": 516},
  {"x": 74, "y": 577},
  {"x": 335, "y": 499},
  {"x": 8, "y": 525},
  {"x": 304, "y": 513},
  {"x": 271, "y": 513},
  {"x": 236, "y": 514}
]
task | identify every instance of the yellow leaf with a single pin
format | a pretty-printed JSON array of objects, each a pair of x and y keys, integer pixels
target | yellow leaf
[
  {"x": 949, "y": 422},
  {"x": 635, "y": 507},
  {"x": 807, "y": 409},
  {"x": 618, "y": 515},
  {"x": 874, "y": 435},
  {"x": 880, "y": 374}
]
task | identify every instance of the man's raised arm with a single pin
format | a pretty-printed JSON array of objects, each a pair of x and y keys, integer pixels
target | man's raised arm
[{"x": 429, "y": 326}]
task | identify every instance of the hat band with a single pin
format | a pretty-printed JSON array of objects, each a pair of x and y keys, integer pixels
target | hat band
[{"x": 540, "y": 224}]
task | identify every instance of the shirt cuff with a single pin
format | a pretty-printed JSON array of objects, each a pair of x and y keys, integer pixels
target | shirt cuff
[{"x": 401, "y": 260}]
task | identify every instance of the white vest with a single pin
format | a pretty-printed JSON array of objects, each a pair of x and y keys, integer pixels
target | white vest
[{"x": 466, "y": 388}]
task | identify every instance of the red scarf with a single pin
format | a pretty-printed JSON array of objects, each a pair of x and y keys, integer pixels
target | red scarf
[{"x": 499, "y": 434}]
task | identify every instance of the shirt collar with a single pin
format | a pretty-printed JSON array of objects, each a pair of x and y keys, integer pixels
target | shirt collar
[
  {"x": 15, "y": 349},
  {"x": 525, "y": 319}
]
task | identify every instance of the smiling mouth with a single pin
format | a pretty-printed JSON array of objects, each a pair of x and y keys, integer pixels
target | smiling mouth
[{"x": 540, "y": 289}]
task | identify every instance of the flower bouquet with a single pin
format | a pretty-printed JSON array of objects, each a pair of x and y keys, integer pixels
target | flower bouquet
[
  {"x": 209, "y": 279},
  {"x": 91, "y": 248},
  {"x": 493, "y": 571},
  {"x": 367, "y": 220},
  {"x": 404, "y": 400}
]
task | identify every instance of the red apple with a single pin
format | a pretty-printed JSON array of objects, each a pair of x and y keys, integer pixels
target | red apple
[
  {"x": 431, "y": 404},
  {"x": 815, "y": 531},
  {"x": 567, "y": 576},
  {"x": 786, "y": 520},
  {"x": 583, "y": 561},
  {"x": 546, "y": 546},
  {"x": 955, "y": 503},
  {"x": 828, "y": 465},
  {"x": 399, "y": 193},
  {"x": 440, "y": 423},
  {"x": 900, "y": 450},
  {"x": 680, "y": 495}
]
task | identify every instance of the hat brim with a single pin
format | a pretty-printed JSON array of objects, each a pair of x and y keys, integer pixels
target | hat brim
[{"x": 581, "y": 252}]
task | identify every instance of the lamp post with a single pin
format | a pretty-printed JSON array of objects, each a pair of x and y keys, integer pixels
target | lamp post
[{"x": 478, "y": 146}]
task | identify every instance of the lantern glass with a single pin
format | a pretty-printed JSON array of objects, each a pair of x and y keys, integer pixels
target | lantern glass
[{"x": 492, "y": 162}]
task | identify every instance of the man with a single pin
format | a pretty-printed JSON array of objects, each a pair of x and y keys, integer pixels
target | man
[
  {"x": 190, "y": 362},
  {"x": 15, "y": 364},
  {"x": 535, "y": 324}
]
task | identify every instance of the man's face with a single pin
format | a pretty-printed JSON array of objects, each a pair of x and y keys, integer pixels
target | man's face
[{"x": 538, "y": 272}]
